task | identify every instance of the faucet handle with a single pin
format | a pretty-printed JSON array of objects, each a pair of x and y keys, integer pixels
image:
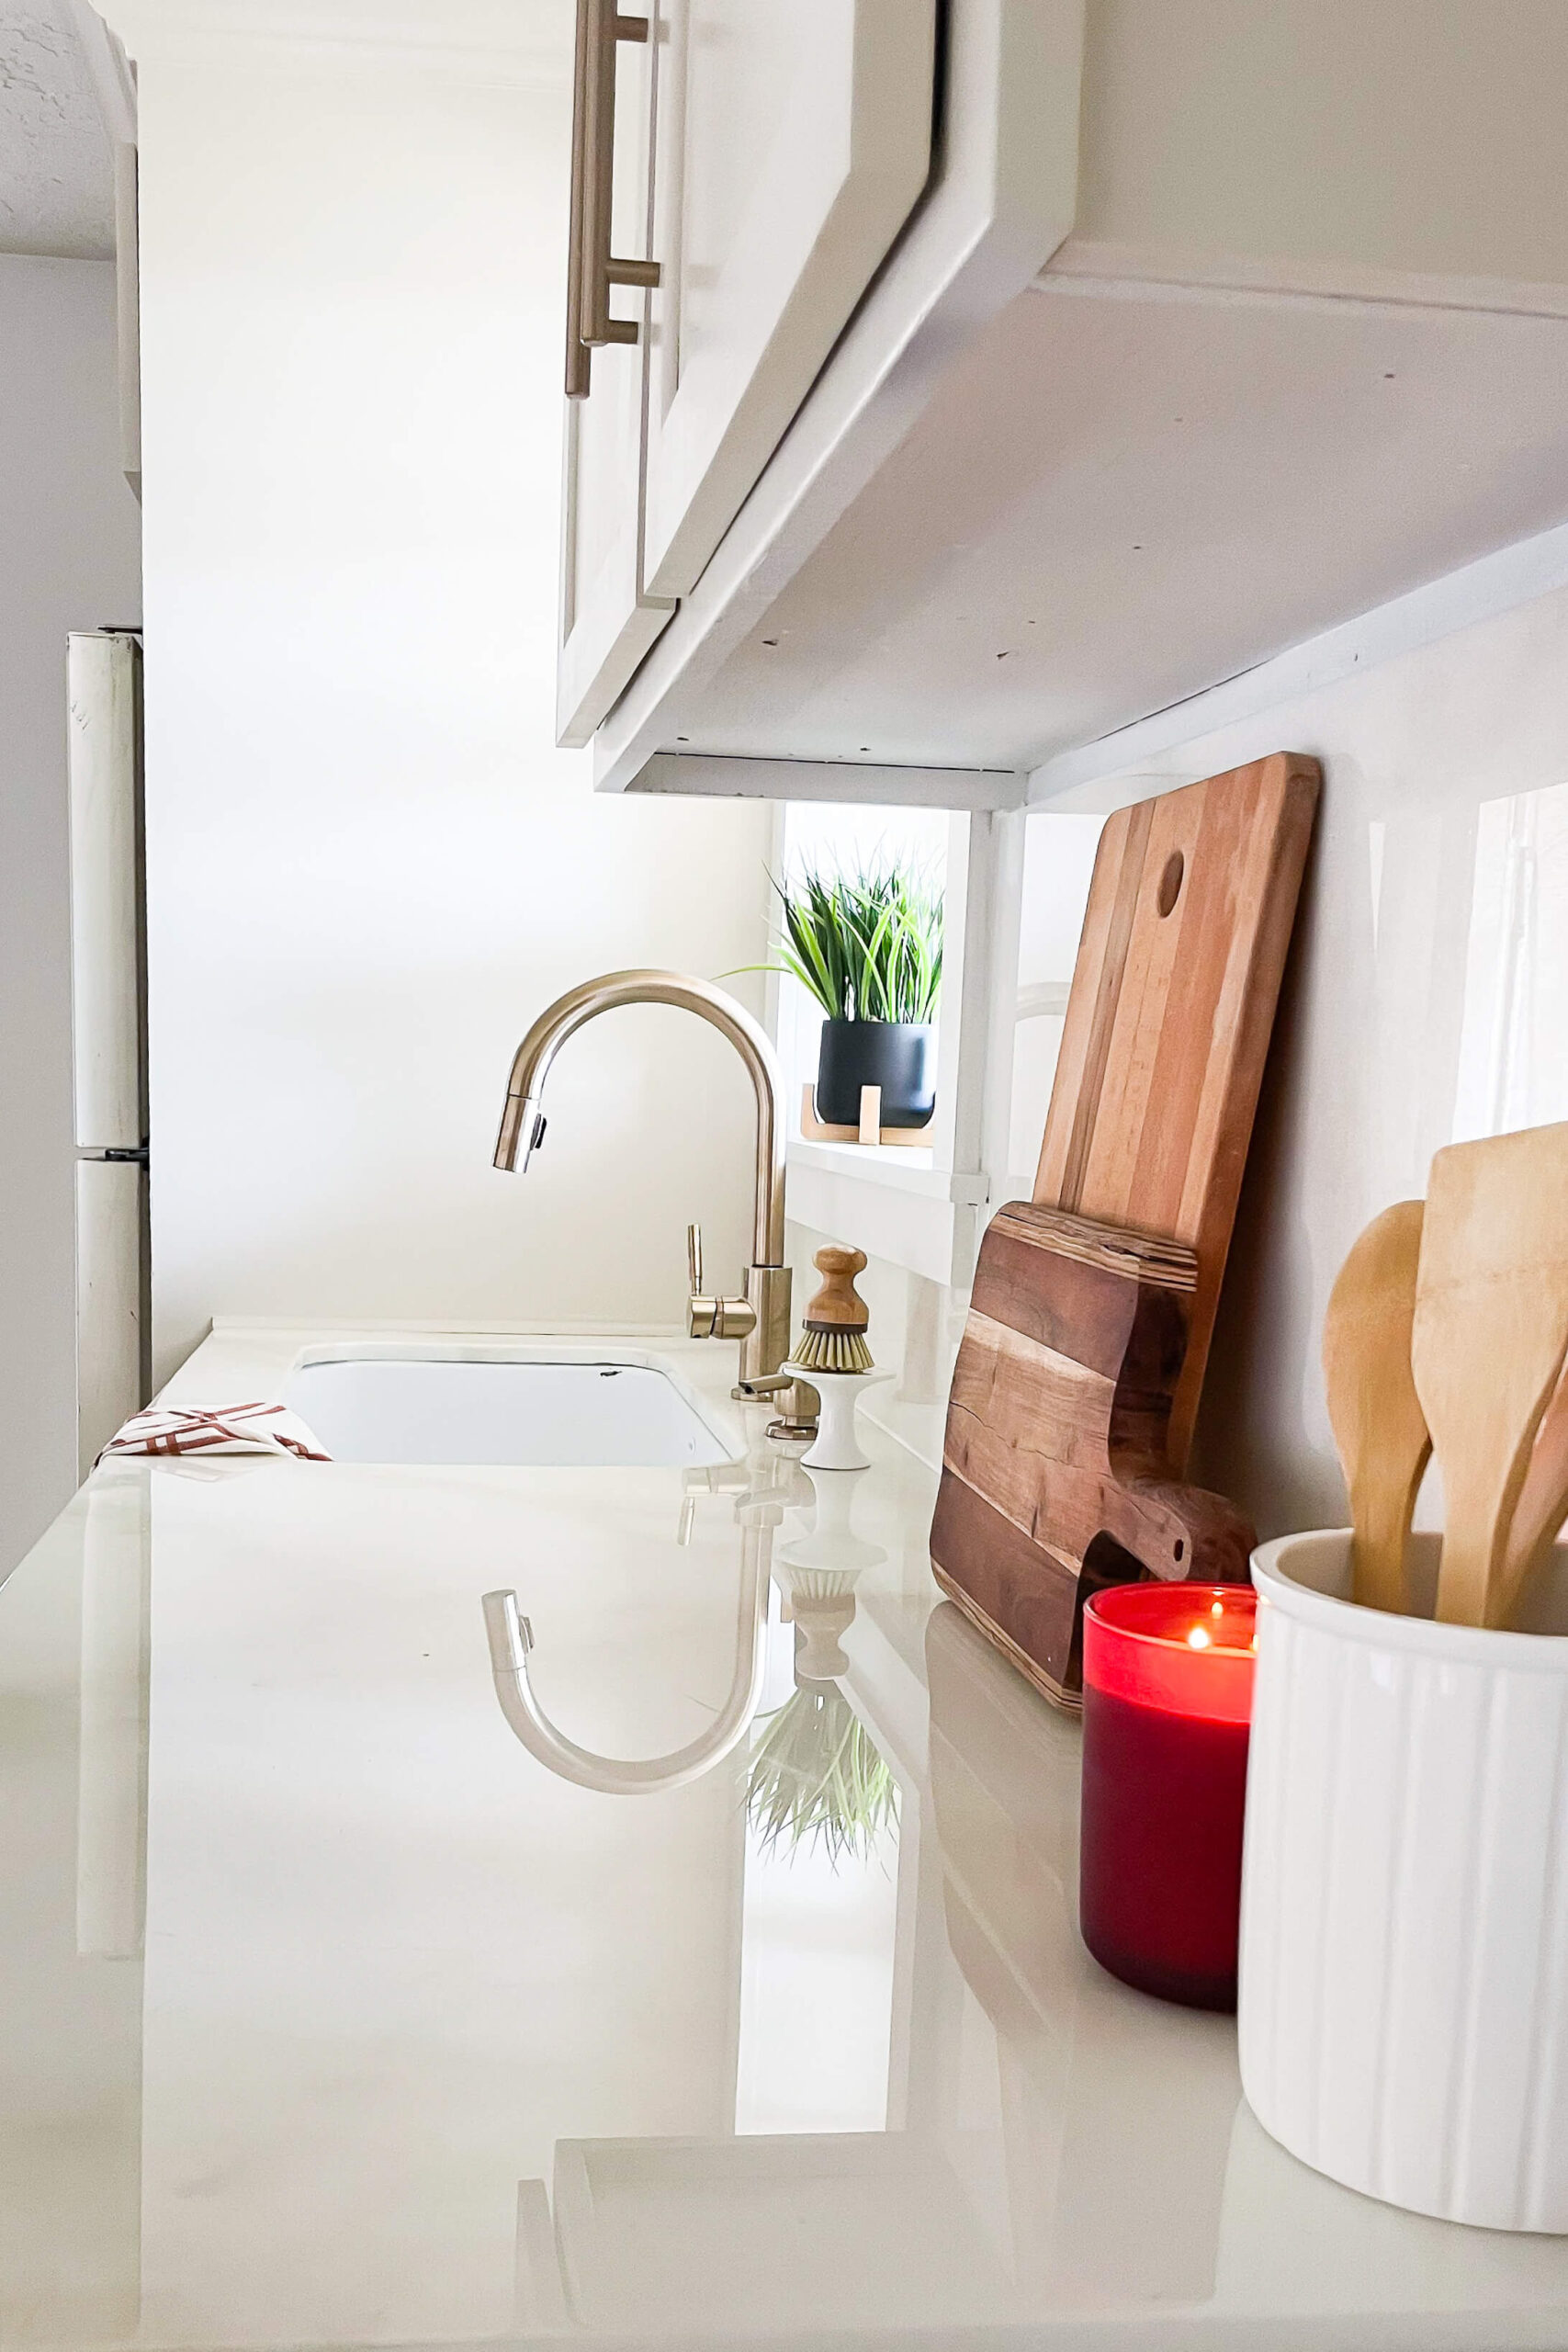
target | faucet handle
[
  {"x": 713, "y": 1319},
  {"x": 702, "y": 1315}
]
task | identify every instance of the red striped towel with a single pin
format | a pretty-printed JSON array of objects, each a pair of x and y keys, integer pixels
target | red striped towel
[{"x": 225, "y": 1428}]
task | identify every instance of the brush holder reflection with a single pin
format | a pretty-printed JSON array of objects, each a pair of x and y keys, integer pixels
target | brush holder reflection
[{"x": 820, "y": 1570}]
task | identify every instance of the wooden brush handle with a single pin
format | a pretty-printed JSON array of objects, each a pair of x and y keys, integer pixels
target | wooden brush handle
[{"x": 838, "y": 1304}]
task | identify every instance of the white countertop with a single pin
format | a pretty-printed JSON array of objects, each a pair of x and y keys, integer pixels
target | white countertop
[{"x": 422, "y": 2044}]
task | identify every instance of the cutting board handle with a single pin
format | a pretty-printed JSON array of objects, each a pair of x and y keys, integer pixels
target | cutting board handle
[{"x": 1056, "y": 1478}]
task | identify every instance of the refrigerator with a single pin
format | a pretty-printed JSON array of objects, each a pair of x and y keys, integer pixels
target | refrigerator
[{"x": 108, "y": 966}]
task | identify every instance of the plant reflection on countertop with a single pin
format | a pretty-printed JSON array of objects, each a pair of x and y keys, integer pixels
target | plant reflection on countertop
[{"x": 817, "y": 1779}]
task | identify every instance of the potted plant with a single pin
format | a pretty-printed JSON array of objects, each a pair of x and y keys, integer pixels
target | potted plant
[{"x": 868, "y": 947}]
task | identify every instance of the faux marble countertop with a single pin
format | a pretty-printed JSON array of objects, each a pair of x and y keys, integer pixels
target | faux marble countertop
[{"x": 333, "y": 2018}]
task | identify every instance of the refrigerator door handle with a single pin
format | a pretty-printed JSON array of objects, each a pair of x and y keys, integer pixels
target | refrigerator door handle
[{"x": 109, "y": 994}]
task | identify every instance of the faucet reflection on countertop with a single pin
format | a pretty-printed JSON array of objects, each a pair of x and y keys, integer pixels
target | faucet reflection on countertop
[
  {"x": 511, "y": 1638},
  {"x": 763, "y": 1484},
  {"x": 760, "y": 1320}
]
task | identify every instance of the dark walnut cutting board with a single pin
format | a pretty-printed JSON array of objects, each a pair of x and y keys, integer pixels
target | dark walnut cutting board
[{"x": 1077, "y": 1380}]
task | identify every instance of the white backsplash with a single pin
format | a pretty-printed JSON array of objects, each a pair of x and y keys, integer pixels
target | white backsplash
[{"x": 1426, "y": 999}]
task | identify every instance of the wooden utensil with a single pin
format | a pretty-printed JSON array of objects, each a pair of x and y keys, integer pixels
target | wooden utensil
[
  {"x": 1055, "y": 1469},
  {"x": 1488, "y": 1342},
  {"x": 1378, "y": 1427},
  {"x": 1542, "y": 1506},
  {"x": 1168, "y": 1025}
]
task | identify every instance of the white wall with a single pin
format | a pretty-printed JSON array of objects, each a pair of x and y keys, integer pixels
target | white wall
[
  {"x": 69, "y": 534},
  {"x": 1426, "y": 999},
  {"x": 1427, "y": 996},
  {"x": 368, "y": 866}
]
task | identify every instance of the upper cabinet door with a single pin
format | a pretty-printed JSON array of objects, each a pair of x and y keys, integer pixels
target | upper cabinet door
[
  {"x": 608, "y": 619},
  {"x": 793, "y": 138}
]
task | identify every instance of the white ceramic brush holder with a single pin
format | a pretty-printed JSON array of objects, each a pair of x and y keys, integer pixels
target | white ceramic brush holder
[
  {"x": 1403, "y": 1977},
  {"x": 837, "y": 1446}
]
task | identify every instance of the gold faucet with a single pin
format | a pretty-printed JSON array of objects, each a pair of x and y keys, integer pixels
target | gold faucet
[{"x": 759, "y": 1319}]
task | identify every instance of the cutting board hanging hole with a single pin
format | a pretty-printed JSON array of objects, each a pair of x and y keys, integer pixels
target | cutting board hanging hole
[{"x": 1171, "y": 882}]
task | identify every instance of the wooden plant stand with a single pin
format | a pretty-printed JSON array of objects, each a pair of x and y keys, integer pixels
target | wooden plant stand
[{"x": 869, "y": 1131}]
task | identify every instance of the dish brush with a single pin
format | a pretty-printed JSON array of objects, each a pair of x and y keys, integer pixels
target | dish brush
[{"x": 832, "y": 1331}]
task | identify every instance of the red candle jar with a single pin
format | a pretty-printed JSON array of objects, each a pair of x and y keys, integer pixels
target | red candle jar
[{"x": 1166, "y": 1709}]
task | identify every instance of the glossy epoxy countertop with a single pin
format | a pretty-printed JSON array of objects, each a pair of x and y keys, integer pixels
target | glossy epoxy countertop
[{"x": 332, "y": 2017}]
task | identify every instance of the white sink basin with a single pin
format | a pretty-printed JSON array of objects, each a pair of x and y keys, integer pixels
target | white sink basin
[{"x": 517, "y": 1409}]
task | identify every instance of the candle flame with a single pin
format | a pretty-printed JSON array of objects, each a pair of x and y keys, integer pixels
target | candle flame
[{"x": 1198, "y": 1638}]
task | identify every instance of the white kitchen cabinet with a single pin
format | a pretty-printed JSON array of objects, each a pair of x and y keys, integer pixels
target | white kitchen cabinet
[
  {"x": 1216, "y": 326},
  {"x": 764, "y": 160},
  {"x": 790, "y": 144},
  {"x": 608, "y": 619}
]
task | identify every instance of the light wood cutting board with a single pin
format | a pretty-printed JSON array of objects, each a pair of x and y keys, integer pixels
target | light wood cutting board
[{"x": 1168, "y": 1025}]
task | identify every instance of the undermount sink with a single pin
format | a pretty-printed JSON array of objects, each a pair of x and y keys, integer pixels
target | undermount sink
[{"x": 533, "y": 1409}]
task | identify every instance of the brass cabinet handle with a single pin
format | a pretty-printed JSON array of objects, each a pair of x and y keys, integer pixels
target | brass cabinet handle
[
  {"x": 592, "y": 267},
  {"x": 579, "y": 358}
]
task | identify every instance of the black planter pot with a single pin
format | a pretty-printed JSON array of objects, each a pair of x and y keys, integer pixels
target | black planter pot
[{"x": 895, "y": 1055}]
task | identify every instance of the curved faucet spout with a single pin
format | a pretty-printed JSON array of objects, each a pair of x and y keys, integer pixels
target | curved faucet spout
[
  {"x": 521, "y": 1120},
  {"x": 761, "y": 1321},
  {"x": 511, "y": 1638}
]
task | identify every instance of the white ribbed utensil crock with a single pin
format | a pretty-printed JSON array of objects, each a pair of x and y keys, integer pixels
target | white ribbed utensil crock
[{"x": 1403, "y": 2004}]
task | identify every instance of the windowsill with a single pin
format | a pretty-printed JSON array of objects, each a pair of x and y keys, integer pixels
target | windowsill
[{"x": 896, "y": 1167}]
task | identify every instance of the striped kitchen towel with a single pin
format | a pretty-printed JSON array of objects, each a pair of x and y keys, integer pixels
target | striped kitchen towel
[{"x": 225, "y": 1428}]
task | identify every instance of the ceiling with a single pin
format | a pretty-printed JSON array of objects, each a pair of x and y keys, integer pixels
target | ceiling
[
  {"x": 56, "y": 177},
  {"x": 531, "y": 37},
  {"x": 56, "y": 172}
]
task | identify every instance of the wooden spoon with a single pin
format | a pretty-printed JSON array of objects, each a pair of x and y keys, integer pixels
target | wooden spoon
[
  {"x": 1490, "y": 1335},
  {"x": 1542, "y": 1506},
  {"x": 1378, "y": 1423}
]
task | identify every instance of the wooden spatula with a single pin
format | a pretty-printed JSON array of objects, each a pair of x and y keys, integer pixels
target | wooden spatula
[
  {"x": 1490, "y": 1335},
  {"x": 1542, "y": 1506},
  {"x": 1378, "y": 1423}
]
